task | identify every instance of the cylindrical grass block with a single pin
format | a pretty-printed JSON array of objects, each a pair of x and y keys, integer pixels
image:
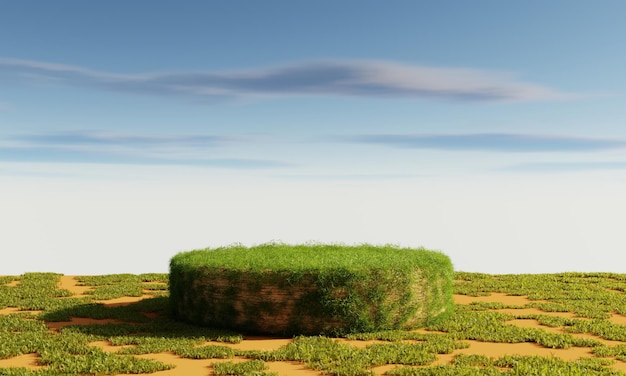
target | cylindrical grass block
[{"x": 310, "y": 289}]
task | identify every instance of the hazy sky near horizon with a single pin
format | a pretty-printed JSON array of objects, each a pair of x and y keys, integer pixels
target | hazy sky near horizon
[{"x": 491, "y": 131}]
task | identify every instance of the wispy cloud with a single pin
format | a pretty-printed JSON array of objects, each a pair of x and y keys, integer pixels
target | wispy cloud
[
  {"x": 353, "y": 177},
  {"x": 355, "y": 78},
  {"x": 108, "y": 138},
  {"x": 108, "y": 148},
  {"x": 496, "y": 142},
  {"x": 556, "y": 167}
]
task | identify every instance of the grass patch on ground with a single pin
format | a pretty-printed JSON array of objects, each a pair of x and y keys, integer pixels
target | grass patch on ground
[
  {"x": 591, "y": 296},
  {"x": 121, "y": 285},
  {"x": 249, "y": 368}
]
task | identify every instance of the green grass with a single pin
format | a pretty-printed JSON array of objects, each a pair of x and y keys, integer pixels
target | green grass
[
  {"x": 35, "y": 291},
  {"x": 249, "y": 368},
  {"x": 121, "y": 285},
  {"x": 478, "y": 365},
  {"x": 311, "y": 288},
  {"x": 592, "y": 296},
  {"x": 68, "y": 352},
  {"x": 310, "y": 257},
  {"x": 7, "y": 279}
]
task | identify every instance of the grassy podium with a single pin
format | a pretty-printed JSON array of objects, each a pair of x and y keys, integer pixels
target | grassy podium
[{"x": 311, "y": 289}]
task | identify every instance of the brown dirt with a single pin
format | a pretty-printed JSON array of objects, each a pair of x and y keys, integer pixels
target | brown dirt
[
  {"x": 536, "y": 311},
  {"x": 495, "y": 297},
  {"x": 531, "y": 323},
  {"x": 618, "y": 319},
  {"x": 117, "y": 302},
  {"x": 80, "y": 321},
  {"x": 22, "y": 361},
  {"x": 526, "y": 348},
  {"x": 203, "y": 367},
  {"x": 256, "y": 343},
  {"x": 8, "y": 311},
  {"x": 106, "y": 346},
  {"x": 12, "y": 283},
  {"x": 70, "y": 283},
  {"x": 360, "y": 344},
  {"x": 380, "y": 370},
  {"x": 291, "y": 368},
  {"x": 187, "y": 367}
]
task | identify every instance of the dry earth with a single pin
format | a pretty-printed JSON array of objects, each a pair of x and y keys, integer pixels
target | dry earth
[{"x": 191, "y": 367}]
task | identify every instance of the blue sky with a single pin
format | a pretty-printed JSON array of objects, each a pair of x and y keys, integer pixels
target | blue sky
[{"x": 492, "y": 131}]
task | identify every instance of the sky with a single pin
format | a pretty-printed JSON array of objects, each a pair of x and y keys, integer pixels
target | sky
[{"x": 490, "y": 131}]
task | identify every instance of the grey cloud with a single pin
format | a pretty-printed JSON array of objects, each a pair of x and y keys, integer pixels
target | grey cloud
[
  {"x": 496, "y": 142},
  {"x": 356, "y": 78}
]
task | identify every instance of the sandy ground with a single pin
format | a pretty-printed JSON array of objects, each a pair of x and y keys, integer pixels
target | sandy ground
[{"x": 191, "y": 367}]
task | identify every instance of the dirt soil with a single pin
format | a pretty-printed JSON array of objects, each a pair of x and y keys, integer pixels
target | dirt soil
[{"x": 191, "y": 367}]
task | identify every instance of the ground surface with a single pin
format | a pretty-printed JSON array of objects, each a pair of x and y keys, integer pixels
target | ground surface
[{"x": 574, "y": 321}]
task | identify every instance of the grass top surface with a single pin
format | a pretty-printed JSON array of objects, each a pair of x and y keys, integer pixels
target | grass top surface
[{"x": 303, "y": 257}]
